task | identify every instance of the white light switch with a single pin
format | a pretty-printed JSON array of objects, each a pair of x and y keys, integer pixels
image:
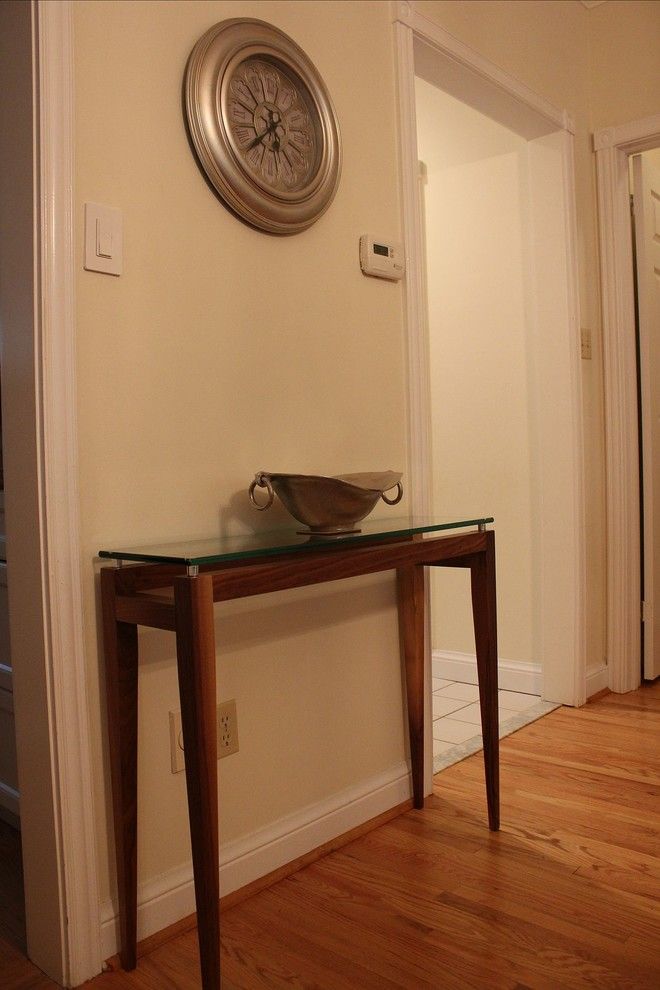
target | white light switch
[{"x": 103, "y": 239}]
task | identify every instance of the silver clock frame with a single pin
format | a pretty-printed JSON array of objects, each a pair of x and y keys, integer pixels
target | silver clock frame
[{"x": 212, "y": 65}]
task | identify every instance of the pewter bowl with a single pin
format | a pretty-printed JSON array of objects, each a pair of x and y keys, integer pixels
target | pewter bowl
[{"x": 328, "y": 506}]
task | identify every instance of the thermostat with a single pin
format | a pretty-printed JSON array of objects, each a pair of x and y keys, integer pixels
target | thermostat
[{"x": 380, "y": 258}]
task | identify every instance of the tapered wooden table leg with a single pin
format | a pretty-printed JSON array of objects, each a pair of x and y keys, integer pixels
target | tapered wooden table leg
[
  {"x": 411, "y": 630},
  {"x": 484, "y": 610},
  {"x": 121, "y": 677},
  {"x": 195, "y": 644}
]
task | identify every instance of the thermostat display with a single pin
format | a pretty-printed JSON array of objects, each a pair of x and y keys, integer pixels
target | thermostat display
[{"x": 380, "y": 258}]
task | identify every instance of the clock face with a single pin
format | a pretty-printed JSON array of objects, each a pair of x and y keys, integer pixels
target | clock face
[
  {"x": 262, "y": 125},
  {"x": 271, "y": 125}
]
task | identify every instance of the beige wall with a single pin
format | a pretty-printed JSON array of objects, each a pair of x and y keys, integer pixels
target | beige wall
[
  {"x": 221, "y": 350},
  {"x": 624, "y": 49}
]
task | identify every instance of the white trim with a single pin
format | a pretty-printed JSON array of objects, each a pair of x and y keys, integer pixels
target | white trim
[
  {"x": 418, "y": 380},
  {"x": 576, "y": 449},
  {"x": 645, "y": 225},
  {"x": 170, "y": 897},
  {"x": 636, "y": 136},
  {"x": 419, "y": 386},
  {"x": 63, "y": 598},
  {"x": 512, "y": 675},
  {"x": 613, "y": 146},
  {"x": 597, "y": 680},
  {"x": 404, "y": 13}
]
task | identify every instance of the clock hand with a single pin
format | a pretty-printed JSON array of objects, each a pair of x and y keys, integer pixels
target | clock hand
[
  {"x": 255, "y": 141},
  {"x": 259, "y": 138},
  {"x": 271, "y": 130}
]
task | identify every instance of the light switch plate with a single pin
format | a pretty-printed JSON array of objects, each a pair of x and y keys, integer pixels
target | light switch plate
[{"x": 103, "y": 239}]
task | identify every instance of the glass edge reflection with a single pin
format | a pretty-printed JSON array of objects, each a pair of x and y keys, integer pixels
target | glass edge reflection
[{"x": 144, "y": 556}]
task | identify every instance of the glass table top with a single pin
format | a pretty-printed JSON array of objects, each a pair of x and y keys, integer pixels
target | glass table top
[{"x": 283, "y": 540}]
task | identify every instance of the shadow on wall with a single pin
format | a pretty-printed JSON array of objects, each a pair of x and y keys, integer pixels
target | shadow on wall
[
  {"x": 239, "y": 511},
  {"x": 240, "y": 626}
]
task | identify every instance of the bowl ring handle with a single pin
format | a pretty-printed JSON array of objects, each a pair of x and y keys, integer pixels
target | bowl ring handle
[
  {"x": 397, "y": 498},
  {"x": 261, "y": 480}
]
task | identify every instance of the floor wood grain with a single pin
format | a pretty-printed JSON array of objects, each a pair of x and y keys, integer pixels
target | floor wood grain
[{"x": 566, "y": 895}]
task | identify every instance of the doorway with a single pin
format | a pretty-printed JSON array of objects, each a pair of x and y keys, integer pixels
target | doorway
[
  {"x": 645, "y": 190},
  {"x": 16, "y": 322},
  {"x": 12, "y": 900},
  {"x": 556, "y": 553},
  {"x": 475, "y": 198},
  {"x": 613, "y": 147}
]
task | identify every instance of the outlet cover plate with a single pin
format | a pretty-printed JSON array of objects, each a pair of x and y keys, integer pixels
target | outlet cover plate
[{"x": 227, "y": 729}]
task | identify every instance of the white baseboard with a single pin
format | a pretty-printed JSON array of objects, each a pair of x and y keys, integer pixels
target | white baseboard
[
  {"x": 513, "y": 675},
  {"x": 598, "y": 679},
  {"x": 170, "y": 897}
]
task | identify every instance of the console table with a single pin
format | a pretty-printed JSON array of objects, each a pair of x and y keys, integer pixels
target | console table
[{"x": 174, "y": 587}]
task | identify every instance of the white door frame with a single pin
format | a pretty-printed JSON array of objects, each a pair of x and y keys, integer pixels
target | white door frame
[
  {"x": 613, "y": 146},
  {"x": 409, "y": 27},
  {"x": 55, "y": 779}
]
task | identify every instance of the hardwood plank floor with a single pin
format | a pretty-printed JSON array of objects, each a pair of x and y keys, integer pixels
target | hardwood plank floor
[{"x": 566, "y": 895}]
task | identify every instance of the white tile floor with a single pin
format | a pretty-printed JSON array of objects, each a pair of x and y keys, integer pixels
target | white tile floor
[{"x": 457, "y": 719}]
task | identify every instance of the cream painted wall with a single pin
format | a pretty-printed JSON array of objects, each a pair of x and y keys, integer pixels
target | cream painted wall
[
  {"x": 479, "y": 365},
  {"x": 624, "y": 49},
  {"x": 220, "y": 351},
  {"x": 540, "y": 42}
]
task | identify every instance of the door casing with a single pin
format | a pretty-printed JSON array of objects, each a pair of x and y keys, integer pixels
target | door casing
[
  {"x": 613, "y": 147},
  {"x": 51, "y": 710}
]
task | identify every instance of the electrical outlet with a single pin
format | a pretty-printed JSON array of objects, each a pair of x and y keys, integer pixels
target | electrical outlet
[{"x": 227, "y": 728}]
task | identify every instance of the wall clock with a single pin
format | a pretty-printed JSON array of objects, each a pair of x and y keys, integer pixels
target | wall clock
[{"x": 262, "y": 125}]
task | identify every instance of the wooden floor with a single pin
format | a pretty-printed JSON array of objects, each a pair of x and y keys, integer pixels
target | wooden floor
[{"x": 567, "y": 895}]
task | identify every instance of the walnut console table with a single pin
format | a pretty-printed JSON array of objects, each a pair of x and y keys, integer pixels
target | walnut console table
[{"x": 174, "y": 587}]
